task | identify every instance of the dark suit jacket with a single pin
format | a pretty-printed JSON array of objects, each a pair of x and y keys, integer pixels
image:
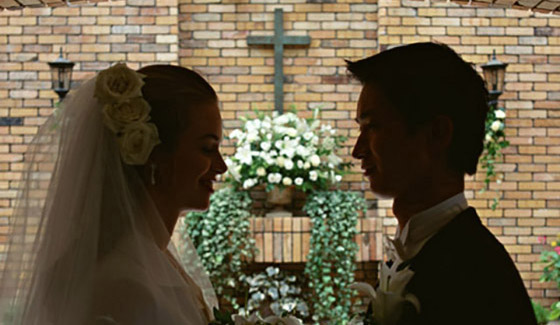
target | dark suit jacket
[{"x": 463, "y": 275}]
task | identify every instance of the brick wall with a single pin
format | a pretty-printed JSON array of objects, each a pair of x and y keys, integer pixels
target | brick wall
[
  {"x": 92, "y": 36},
  {"x": 210, "y": 36}
]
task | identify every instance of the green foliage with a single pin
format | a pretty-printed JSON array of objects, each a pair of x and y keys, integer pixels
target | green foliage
[
  {"x": 551, "y": 270},
  {"x": 494, "y": 143},
  {"x": 541, "y": 312},
  {"x": 330, "y": 264},
  {"x": 222, "y": 239}
]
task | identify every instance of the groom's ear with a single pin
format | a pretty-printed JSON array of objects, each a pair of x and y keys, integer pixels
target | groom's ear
[{"x": 440, "y": 134}]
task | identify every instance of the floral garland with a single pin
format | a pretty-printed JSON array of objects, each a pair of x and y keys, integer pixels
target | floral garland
[{"x": 126, "y": 113}]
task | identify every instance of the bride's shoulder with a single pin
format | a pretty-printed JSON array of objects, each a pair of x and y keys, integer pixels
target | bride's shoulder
[{"x": 122, "y": 292}]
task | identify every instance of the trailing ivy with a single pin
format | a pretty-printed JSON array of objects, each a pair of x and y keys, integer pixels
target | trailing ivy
[
  {"x": 330, "y": 264},
  {"x": 222, "y": 239},
  {"x": 494, "y": 142}
]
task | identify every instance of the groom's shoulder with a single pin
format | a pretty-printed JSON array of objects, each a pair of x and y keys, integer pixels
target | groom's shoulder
[{"x": 465, "y": 241}]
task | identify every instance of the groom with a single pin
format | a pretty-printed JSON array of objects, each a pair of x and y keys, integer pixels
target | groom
[{"x": 421, "y": 114}]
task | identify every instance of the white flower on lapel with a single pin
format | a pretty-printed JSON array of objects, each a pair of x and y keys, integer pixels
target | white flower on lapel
[{"x": 390, "y": 297}]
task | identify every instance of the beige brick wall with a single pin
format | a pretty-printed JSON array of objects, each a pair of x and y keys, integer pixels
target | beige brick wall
[
  {"x": 93, "y": 36},
  {"x": 210, "y": 36}
]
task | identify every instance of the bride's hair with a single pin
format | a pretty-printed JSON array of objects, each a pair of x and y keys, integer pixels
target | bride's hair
[{"x": 173, "y": 92}]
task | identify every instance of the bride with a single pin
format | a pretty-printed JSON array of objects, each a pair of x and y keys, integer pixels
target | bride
[{"x": 106, "y": 179}]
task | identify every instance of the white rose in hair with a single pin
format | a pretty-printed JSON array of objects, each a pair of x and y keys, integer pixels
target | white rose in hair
[
  {"x": 119, "y": 114},
  {"x": 118, "y": 83},
  {"x": 137, "y": 142}
]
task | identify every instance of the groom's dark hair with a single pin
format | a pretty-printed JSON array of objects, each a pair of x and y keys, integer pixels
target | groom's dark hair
[{"x": 425, "y": 80}]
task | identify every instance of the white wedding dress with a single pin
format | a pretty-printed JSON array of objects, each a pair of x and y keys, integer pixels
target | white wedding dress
[{"x": 86, "y": 244}]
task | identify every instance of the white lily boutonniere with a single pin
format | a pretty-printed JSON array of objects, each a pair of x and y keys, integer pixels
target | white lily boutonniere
[{"x": 389, "y": 299}]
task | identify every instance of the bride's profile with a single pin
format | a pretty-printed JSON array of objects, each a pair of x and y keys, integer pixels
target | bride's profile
[{"x": 105, "y": 180}]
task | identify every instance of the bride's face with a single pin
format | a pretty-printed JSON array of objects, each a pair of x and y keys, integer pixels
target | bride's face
[{"x": 197, "y": 161}]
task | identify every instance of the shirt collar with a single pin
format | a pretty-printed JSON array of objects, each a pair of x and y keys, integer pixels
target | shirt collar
[{"x": 423, "y": 225}]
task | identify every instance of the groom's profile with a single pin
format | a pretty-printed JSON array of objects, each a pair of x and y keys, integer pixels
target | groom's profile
[{"x": 421, "y": 114}]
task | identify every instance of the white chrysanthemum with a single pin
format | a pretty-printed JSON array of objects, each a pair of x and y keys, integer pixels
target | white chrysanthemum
[
  {"x": 313, "y": 175},
  {"x": 265, "y": 146},
  {"x": 298, "y": 181},
  {"x": 496, "y": 126},
  {"x": 302, "y": 151},
  {"x": 287, "y": 181},
  {"x": 261, "y": 171},
  {"x": 236, "y": 134},
  {"x": 291, "y": 132},
  {"x": 315, "y": 160}
]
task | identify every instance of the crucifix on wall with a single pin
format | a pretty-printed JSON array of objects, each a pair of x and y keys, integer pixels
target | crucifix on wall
[{"x": 278, "y": 40}]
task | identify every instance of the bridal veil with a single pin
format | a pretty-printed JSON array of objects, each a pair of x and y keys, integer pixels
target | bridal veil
[{"x": 84, "y": 229}]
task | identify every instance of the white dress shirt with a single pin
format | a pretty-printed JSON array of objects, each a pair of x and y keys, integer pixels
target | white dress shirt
[{"x": 423, "y": 225}]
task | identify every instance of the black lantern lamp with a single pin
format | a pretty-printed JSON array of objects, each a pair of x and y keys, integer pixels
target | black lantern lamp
[
  {"x": 494, "y": 74},
  {"x": 61, "y": 74}
]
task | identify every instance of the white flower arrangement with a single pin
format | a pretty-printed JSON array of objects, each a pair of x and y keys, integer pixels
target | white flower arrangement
[
  {"x": 126, "y": 113},
  {"x": 285, "y": 150}
]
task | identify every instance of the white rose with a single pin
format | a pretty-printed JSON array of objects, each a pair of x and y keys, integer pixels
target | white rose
[
  {"x": 277, "y": 178},
  {"x": 252, "y": 136},
  {"x": 488, "y": 137},
  {"x": 328, "y": 143},
  {"x": 338, "y": 178},
  {"x": 496, "y": 126},
  {"x": 119, "y": 114},
  {"x": 118, "y": 83},
  {"x": 287, "y": 181},
  {"x": 265, "y": 146},
  {"x": 315, "y": 160},
  {"x": 270, "y": 178},
  {"x": 261, "y": 171},
  {"x": 298, "y": 181},
  {"x": 137, "y": 142},
  {"x": 500, "y": 114},
  {"x": 306, "y": 165},
  {"x": 278, "y": 144},
  {"x": 313, "y": 175},
  {"x": 299, "y": 164},
  {"x": 307, "y": 136},
  {"x": 280, "y": 161},
  {"x": 288, "y": 164}
]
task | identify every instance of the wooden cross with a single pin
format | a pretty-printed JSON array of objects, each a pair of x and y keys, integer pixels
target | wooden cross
[{"x": 278, "y": 40}]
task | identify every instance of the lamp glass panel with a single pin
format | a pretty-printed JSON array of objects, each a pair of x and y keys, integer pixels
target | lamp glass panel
[
  {"x": 491, "y": 78},
  {"x": 501, "y": 73}
]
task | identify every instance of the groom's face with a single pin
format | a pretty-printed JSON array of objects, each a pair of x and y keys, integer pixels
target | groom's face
[{"x": 393, "y": 158}]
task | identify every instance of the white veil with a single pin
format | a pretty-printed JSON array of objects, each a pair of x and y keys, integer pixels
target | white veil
[{"x": 83, "y": 225}]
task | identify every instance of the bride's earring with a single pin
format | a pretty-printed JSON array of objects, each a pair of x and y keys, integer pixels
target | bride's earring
[{"x": 153, "y": 174}]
